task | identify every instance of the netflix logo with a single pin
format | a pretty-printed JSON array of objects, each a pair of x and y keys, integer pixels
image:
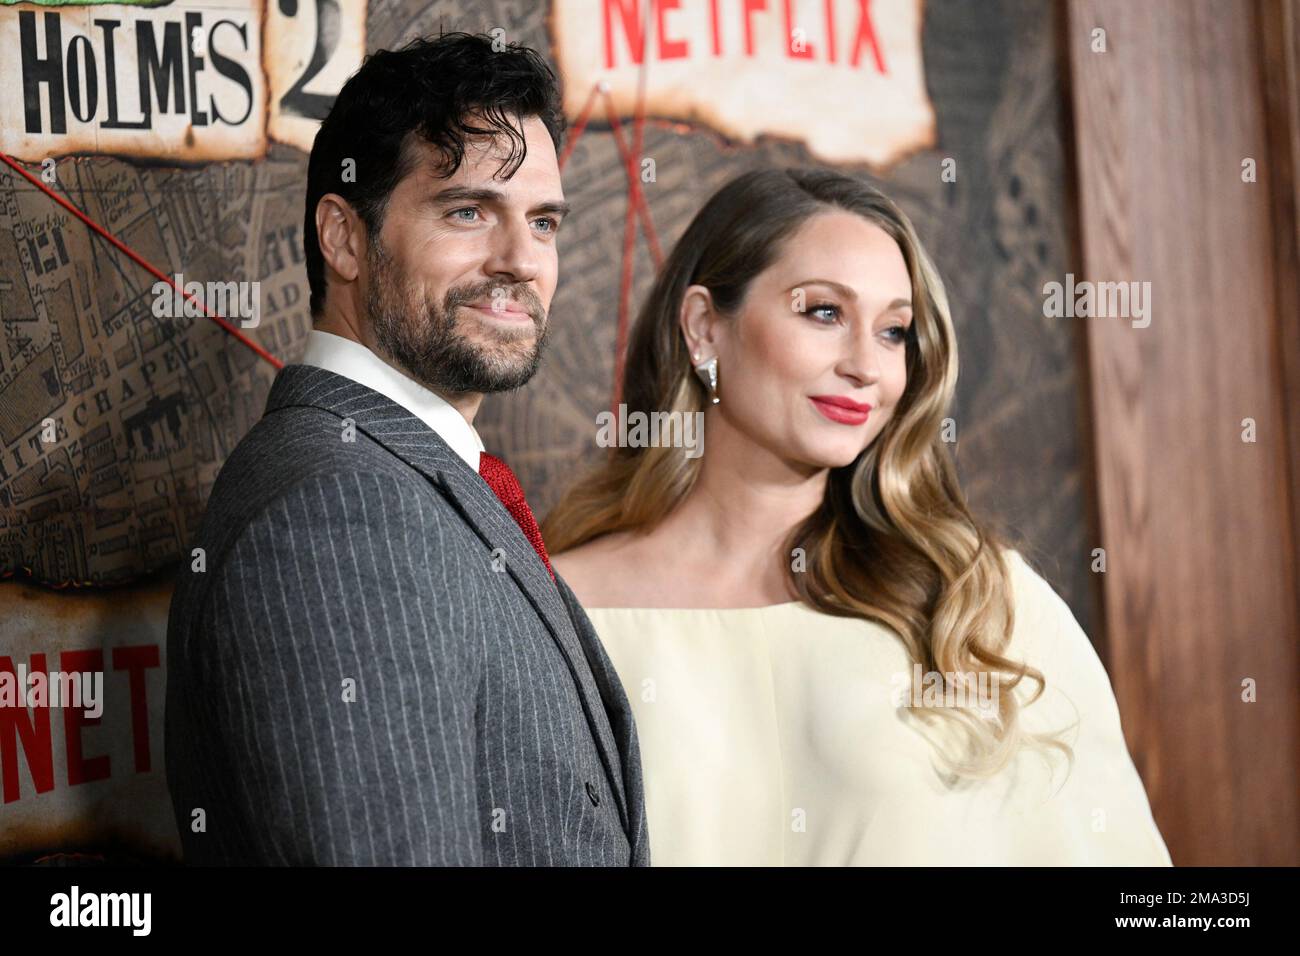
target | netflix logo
[
  {"x": 29, "y": 733},
  {"x": 843, "y": 76},
  {"x": 83, "y": 690},
  {"x": 810, "y": 30}
]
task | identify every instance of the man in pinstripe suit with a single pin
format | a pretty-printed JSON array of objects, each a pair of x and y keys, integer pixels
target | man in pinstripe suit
[{"x": 371, "y": 661}]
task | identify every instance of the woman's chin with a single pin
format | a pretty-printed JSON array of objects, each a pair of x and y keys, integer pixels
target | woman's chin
[{"x": 836, "y": 456}]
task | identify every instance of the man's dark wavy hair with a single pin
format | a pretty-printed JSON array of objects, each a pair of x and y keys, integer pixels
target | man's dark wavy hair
[{"x": 426, "y": 90}]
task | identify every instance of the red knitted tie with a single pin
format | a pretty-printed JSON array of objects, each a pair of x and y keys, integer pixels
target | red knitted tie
[{"x": 505, "y": 485}]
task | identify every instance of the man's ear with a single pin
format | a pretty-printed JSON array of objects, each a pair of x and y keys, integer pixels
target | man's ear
[
  {"x": 697, "y": 318},
  {"x": 341, "y": 235}
]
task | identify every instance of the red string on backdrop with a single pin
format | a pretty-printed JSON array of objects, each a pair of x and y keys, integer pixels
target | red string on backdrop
[
  {"x": 643, "y": 208},
  {"x": 138, "y": 259},
  {"x": 637, "y": 207},
  {"x": 636, "y": 203},
  {"x": 575, "y": 131}
]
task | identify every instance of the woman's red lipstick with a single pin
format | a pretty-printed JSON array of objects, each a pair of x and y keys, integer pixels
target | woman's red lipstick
[{"x": 839, "y": 409}]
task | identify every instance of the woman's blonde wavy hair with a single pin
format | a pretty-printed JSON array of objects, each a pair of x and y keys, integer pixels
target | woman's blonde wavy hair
[{"x": 893, "y": 541}]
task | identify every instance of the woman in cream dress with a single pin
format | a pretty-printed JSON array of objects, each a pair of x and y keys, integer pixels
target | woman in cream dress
[{"x": 830, "y": 660}]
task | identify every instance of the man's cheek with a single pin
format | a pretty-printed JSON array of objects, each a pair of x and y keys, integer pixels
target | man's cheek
[{"x": 550, "y": 278}]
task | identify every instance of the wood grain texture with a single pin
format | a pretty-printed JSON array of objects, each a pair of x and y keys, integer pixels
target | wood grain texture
[
  {"x": 1197, "y": 523},
  {"x": 1280, "y": 35}
]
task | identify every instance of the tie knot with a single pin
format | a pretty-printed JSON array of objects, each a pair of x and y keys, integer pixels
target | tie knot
[{"x": 498, "y": 476}]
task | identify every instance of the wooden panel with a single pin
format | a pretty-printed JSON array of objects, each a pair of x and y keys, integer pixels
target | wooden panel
[
  {"x": 1197, "y": 524},
  {"x": 1280, "y": 32}
]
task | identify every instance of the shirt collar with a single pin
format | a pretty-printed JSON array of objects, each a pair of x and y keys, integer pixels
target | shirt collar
[{"x": 353, "y": 360}]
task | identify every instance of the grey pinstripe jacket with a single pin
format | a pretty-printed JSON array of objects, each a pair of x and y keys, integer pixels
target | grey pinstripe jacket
[{"x": 374, "y": 666}]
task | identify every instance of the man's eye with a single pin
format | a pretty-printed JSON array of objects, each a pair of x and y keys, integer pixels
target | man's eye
[
  {"x": 550, "y": 224},
  {"x": 456, "y": 213}
]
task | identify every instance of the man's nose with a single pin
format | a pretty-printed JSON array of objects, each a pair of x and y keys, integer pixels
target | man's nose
[{"x": 513, "y": 252}]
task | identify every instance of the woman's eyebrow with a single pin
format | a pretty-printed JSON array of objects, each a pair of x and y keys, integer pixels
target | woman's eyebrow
[
  {"x": 848, "y": 293},
  {"x": 839, "y": 287}
]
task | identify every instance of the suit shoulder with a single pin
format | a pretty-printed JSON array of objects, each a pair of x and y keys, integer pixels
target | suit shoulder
[
  {"x": 336, "y": 495},
  {"x": 359, "y": 528},
  {"x": 292, "y": 446},
  {"x": 300, "y": 441},
  {"x": 298, "y": 460}
]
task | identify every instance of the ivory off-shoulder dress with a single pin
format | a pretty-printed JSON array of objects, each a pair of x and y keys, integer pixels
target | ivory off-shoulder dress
[{"x": 770, "y": 737}]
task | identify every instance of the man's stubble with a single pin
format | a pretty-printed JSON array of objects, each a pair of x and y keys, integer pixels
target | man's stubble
[{"x": 427, "y": 341}]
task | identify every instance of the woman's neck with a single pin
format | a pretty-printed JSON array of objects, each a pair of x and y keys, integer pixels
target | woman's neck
[{"x": 742, "y": 508}]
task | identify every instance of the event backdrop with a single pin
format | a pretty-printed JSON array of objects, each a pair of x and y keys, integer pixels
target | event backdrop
[{"x": 181, "y": 129}]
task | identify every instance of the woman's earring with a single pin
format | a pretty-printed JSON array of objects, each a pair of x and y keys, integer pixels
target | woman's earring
[{"x": 708, "y": 374}]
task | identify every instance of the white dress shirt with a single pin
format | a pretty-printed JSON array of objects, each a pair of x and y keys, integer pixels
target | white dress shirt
[{"x": 353, "y": 360}]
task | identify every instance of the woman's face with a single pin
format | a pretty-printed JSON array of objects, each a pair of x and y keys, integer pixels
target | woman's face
[{"x": 819, "y": 334}]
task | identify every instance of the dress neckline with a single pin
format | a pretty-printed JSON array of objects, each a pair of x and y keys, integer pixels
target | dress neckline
[{"x": 700, "y": 610}]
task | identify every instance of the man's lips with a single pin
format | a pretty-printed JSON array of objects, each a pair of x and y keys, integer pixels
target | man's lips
[
  {"x": 840, "y": 409},
  {"x": 504, "y": 310}
]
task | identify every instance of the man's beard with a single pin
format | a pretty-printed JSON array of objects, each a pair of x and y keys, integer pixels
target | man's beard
[{"x": 425, "y": 340}]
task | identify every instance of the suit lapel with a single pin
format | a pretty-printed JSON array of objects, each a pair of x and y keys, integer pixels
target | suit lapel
[
  {"x": 409, "y": 438},
  {"x": 484, "y": 512}
]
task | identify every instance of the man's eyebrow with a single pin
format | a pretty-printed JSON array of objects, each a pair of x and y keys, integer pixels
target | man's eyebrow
[
  {"x": 554, "y": 207},
  {"x": 456, "y": 194},
  {"x": 848, "y": 293},
  {"x": 467, "y": 194}
]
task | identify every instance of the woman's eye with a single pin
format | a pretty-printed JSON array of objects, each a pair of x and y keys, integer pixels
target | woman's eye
[
  {"x": 900, "y": 333},
  {"x": 824, "y": 309}
]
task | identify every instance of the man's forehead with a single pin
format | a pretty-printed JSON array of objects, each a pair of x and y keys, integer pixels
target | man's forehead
[{"x": 485, "y": 163}]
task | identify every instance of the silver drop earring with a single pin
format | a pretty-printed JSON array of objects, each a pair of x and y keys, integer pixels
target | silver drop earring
[{"x": 708, "y": 374}]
